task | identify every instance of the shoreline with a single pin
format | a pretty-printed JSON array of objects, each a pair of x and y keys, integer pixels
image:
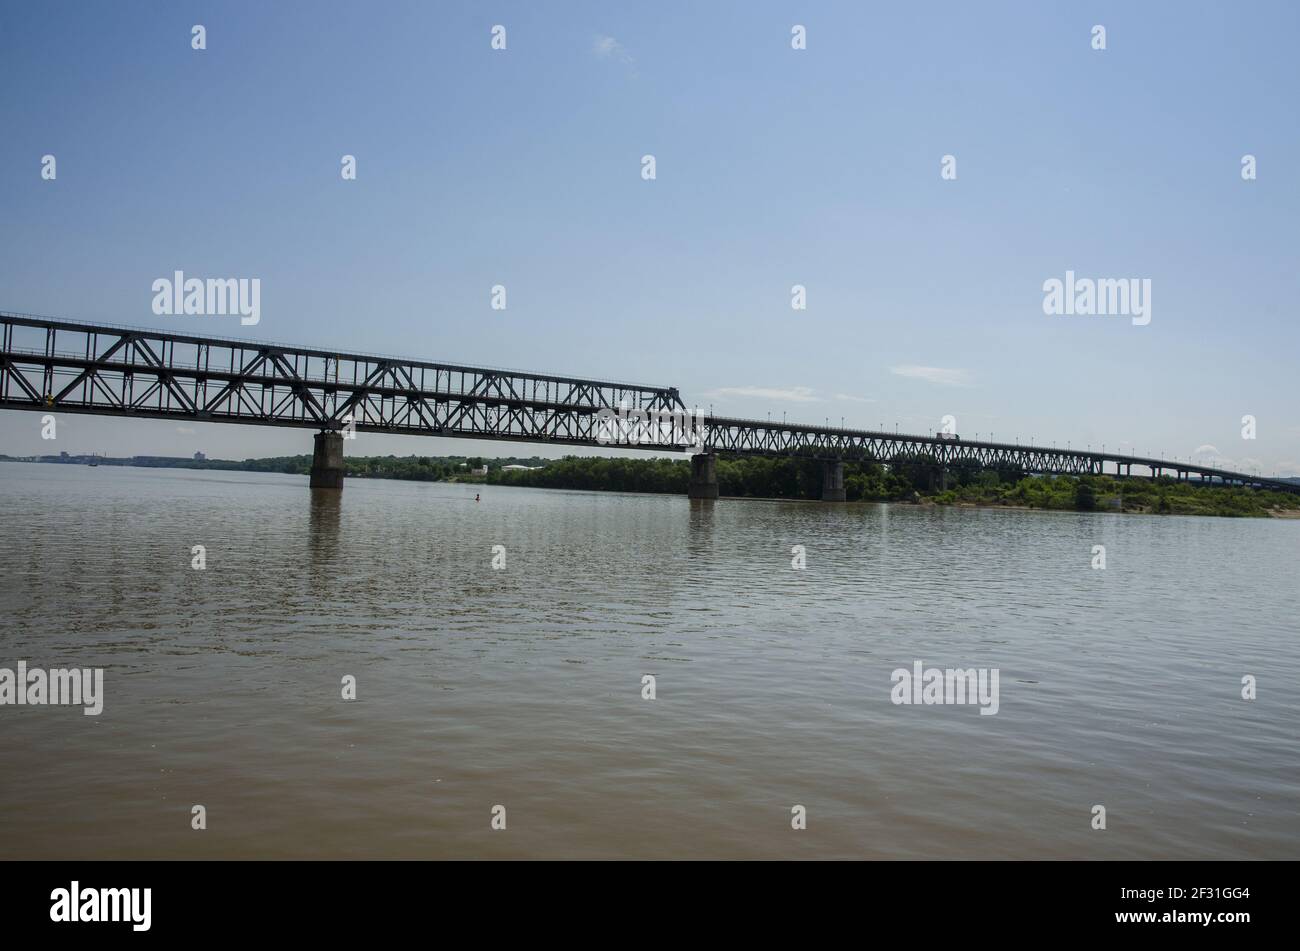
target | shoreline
[{"x": 927, "y": 501}]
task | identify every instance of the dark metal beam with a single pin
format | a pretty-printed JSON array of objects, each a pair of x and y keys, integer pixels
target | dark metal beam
[{"x": 64, "y": 367}]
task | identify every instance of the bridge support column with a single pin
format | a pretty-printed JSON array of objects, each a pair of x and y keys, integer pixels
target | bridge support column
[
  {"x": 327, "y": 461},
  {"x": 704, "y": 476},
  {"x": 832, "y": 481}
]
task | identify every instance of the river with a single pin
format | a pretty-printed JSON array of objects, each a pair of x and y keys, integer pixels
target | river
[{"x": 522, "y": 686}]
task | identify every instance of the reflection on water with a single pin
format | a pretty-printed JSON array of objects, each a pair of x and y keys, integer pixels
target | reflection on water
[
  {"x": 522, "y": 686},
  {"x": 326, "y": 509}
]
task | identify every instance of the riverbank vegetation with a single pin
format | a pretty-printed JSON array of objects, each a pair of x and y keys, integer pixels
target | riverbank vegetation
[
  {"x": 788, "y": 478},
  {"x": 785, "y": 478},
  {"x": 1165, "y": 496}
]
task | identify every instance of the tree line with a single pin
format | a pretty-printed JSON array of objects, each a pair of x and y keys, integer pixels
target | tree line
[{"x": 795, "y": 478}]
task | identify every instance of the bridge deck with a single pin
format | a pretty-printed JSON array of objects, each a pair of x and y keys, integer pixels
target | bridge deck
[{"x": 111, "y": 370}]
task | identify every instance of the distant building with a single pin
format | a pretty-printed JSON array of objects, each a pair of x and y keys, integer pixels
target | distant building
[
  {"x": 520, "y": 468},
  {"x": 199, "y": 457},
  {"x": 480, "y": 471}
]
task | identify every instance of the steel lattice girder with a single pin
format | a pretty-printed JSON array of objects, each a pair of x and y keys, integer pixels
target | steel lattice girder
[
  {"x": 123, "y": 371},
  {"x": 757, "y": 437}
]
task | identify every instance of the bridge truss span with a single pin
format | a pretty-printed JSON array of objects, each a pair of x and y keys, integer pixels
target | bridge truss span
[
  {"x": 751, "y": 437},
  {"x": 61, "y": 366},
  {"x": 123, "y": 371}
]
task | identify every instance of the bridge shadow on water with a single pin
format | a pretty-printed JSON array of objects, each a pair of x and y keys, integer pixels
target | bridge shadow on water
[
  {"x": 702, "y": 527},
  {"x": 323, "y": 526}
]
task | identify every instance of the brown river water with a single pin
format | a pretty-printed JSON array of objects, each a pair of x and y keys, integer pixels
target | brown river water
[{"x": 522, "y": 687}]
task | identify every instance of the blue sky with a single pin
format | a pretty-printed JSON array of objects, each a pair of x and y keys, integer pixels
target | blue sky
[{"x": 775, "y": 167}]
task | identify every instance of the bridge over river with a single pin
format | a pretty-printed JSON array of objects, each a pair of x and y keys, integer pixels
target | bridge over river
[{"x": 49, "y": 365}]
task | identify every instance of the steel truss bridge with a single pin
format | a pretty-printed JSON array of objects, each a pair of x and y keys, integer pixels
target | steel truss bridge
[{"x": 71, "y": 367}]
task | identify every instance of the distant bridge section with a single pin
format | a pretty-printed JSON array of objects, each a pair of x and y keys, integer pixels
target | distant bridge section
[
  {"x": 751, "y": 437},
  {"x": 71, "y": 367}
]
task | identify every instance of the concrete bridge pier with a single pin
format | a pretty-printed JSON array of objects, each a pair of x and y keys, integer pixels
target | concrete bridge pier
[
  {"x": 832, "y": 481},
  {"x": 936, "y": 477},
  {"x": 704, "y": 476},
  {"x": 327, "y": 460}
]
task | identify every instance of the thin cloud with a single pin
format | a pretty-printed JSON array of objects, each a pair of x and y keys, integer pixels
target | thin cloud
[
  {"x": 606, "y": 47},
  {"x": 940, "y": 375},
  {"x": 793, "y": 394},
  {"x": 853, "y": 399},
  {"x": 1210, "y": 456}
]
